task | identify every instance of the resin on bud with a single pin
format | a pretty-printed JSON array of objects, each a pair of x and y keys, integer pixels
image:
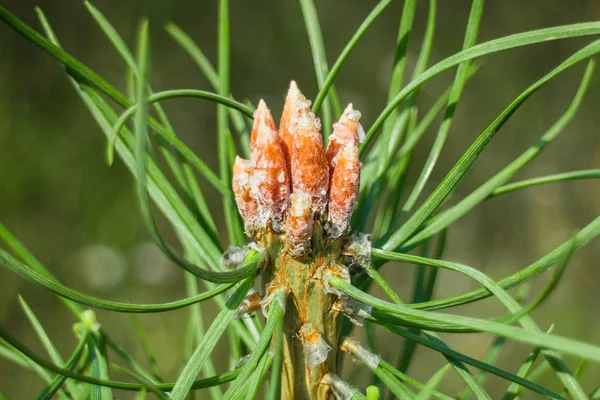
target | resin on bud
[
  {"x": 309, "y": 168},
  {"x": 315, "y": 347},
  {"x": 299, "y": 224},
  {"x": 270, "y": 179},
  {"x": 343, "y": 191},
  {"x": 242, "y": 188},
  {"x": 294, "y": 102},
  {"x": 347, "y": 130}
]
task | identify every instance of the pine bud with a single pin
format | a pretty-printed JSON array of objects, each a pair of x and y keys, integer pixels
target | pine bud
[
  {"x": 343, "y": 193},
  {"x": 347, "y": 130},
  {"x": 309, "y": 169},
  {"x": 290, "y": 181},
  {"x": 294, "y": 102},
  {"x": 270, "y": 181}
]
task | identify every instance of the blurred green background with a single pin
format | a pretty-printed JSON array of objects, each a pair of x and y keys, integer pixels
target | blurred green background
[{"x": 80, "y": 217}]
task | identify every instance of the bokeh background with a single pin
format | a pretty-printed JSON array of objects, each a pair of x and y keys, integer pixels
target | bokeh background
[{"x": 80, "y": 217}]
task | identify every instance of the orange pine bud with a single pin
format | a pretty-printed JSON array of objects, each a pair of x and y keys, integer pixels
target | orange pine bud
[
  {"x": 294, "y": 102},
  {"x": 270, "y": 181},
  {"x": 309, "y": 170},
  {"x": 347, "y": 130},
  {"x": 262, "y": 116},
  {"x": 299, "y": 224},
  {"x": 241, "y": 184},
  {"x": 343, "y": 194}
]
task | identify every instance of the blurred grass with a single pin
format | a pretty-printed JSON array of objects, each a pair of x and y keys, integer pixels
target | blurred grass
[{"x": 81, "y": 217}]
